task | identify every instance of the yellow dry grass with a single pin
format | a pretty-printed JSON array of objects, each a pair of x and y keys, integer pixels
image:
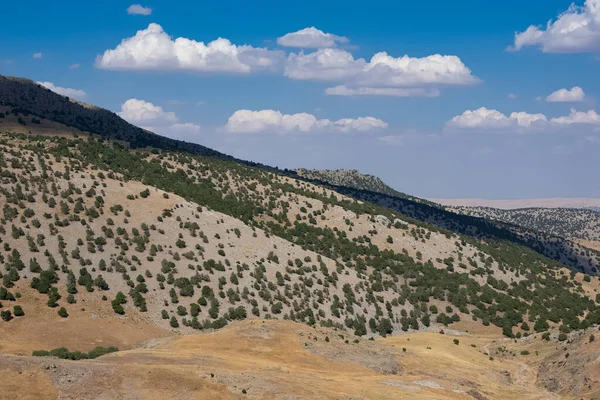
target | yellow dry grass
[{"x": 277, "y": 359}]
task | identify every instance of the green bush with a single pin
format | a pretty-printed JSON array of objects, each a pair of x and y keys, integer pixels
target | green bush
[
  {"x": 6, "y": 315},
  {"x": 64, "y": 353},
  {"x": 562, "y": 337}
]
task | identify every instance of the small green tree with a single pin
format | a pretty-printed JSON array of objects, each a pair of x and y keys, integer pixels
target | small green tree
[{"x": 5, "y": 315}]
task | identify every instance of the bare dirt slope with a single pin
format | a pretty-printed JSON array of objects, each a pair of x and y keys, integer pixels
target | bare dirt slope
[{"x": 284, "y": 360}]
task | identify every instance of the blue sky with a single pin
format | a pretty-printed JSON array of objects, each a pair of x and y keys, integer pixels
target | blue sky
[{"x": 421, "y": 94}]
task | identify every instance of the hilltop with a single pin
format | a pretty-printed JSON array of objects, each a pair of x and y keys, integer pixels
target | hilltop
[
  {"x": 350, "y": 178},
  {"x": 570, "y": 223}
]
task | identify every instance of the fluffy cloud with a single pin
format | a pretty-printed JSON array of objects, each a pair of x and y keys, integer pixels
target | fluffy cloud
[
  {"x": 382, "y": 70},
  {"x": 484, "y": 118},
  {"x": 153, "y": 49},
  {"x": 311, "y": 38},
  {"x": 137, "y": 9},
  {"x": 248, "y": 121},
  {"x": 140, "y": 112},
  {"x": 37, "y": 55},
  {"x": 527, "y": 120},
  {"x": 576, "y": 30},
  {"x": 565, "y": 95},
  {"x": 323, "y": 65},
  {"x": 153, "y": 118},
  {"x": 72, "y": 93},
  {"x": 578, "y": 117},
  {"x": 380, "y": 75},
  {"x": 342, "y": 90}
]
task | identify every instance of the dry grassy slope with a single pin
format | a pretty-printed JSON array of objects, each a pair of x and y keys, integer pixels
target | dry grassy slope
[
  {"x": 568, "y": 252},
  {"x": 173, "y": 371},
  {"x": 573, "y": 367},
  {"x": 579, "y": 229},
  {"x": 409, "y": 238},
  {"x": 214, "y": 238},
  {"x": 570, "y": 223},
  {"x": 243, "y": 253},
  {"x": 277, "y": 359},
  {"x": 46, "y": 127},
  {"x": 29, "y": 99},
  {"x": 247, "y": 249}
]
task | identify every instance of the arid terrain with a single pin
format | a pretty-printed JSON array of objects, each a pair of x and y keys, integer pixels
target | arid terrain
[
  {"x": 522, "y": 203},
  {"x": 135, "y": 266},
  {"x": 276, "y": 359}
]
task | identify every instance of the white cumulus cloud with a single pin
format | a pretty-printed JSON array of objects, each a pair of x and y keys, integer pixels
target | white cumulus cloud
[
  {"x": 311, "y": 38},
  {"x": 575, "y": 30},
  {"x": 527, "y": 120},
  {"x": 72, "y": 93},
  {"x": 382, "y": 70},
  {"x": 381, "y": 74},
  {"x": 141, "y": 112},
  {"x": 323, "y": 65},
  {"x": 565, "y": 95},
  {"x": 578, "y": 117},
  {"x": 138, "y": 9},
  {"x": 484, "y": 118},
  {"x": 248, "y": 121},
  {"x": 155, "y": 119},
  {"x": 153, "y": 49}
]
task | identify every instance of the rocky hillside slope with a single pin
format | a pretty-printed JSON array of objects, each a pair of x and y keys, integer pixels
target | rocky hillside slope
[
  {"x": 570, "y": 223},
  {"x": 350, "y": 178},
  {"x": 105, "y": 244},
  {"x": 196, "y": 242},
  {"x": 27, "y": 104}
]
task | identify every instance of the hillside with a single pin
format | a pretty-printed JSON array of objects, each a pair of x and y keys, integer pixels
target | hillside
[
  {"x": 21, "y": 96},
  {"x": 578, "y": 255},
  {"x": 570, "y": 223},
  {"x": 106, "y": 244},
  {"x": 187, "y": 263},
  {"x": 48, "y": 113},
  {"x": 350, "y": 178}
]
